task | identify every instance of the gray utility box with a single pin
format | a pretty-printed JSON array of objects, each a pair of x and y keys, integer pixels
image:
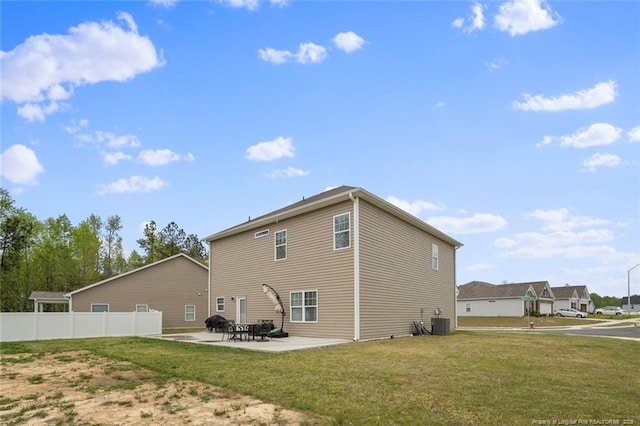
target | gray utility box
[{"x": 440, "y": 326}]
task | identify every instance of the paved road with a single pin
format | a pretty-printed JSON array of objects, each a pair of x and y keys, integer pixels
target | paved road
[{"x": 628, "y": 331}]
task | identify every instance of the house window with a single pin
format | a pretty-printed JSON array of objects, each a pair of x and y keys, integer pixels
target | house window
[
  {"x": 261, "y": 234},
  {"x": 281, "y": 245},
  {"x": 435, "y": 262},
  {"x": 467, "y": 307},
  {"x": 304, "y": 306},
  {"x": 99, "y": 307},
  {"x": 341, "y": 231},
  {"x": 189, "y": 312},
  {"x": 142, "y": 308},
  {"x": 220, "y": 304}
]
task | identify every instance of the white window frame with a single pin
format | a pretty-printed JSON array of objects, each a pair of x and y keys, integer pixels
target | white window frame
[
  {"x": 276, "y": 245},
  {"x": 342, "y": 231},
  {"x": 261, "y": 234},
  {"x": 142, "y": 305},
  {"x": 99, "y": 304},
  {"x": 435, "y": 259},
  {"x": 467, "y": 307},
  {"x": 187, "y": 313},
  {"x": 303, "y": 307},
  {"x": 220, "y": 302}
]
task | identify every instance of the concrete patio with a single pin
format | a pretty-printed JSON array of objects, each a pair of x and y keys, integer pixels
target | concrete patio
[{"x": 286, "y": 344}]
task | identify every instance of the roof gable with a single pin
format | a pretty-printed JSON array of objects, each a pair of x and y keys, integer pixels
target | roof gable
[
  {"x": 167, "y": 259},
  {"x": 571, "y": 292},
  {"x": 327, "y": 198}
]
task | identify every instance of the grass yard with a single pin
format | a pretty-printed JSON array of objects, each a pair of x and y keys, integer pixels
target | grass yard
[{"x": 466, "y": 378}]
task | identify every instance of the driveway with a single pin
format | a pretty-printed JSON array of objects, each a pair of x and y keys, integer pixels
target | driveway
[{"x": 623, "y": 330}]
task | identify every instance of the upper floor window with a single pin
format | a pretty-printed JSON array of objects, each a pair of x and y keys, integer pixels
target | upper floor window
[
  {"x": 435, "y": 260},
  {"x": 304, "y": 306},
  {"x": 281, "y": 245},
  {"x": 341, "y": 231},
  {"x": 220, "y": 304}
]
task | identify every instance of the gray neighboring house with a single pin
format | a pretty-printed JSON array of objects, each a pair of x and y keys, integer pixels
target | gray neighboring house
[
  {"x": 573, "y": 296},
  {"x": 635, "y": 304},
  {"x": 481, "y": 299},
  {"x": 346, "y": 264},
  {"x": 176, "y": 286}
]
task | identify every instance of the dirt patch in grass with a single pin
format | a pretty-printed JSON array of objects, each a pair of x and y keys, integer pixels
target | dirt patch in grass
[{"x": 80, "y": 387}]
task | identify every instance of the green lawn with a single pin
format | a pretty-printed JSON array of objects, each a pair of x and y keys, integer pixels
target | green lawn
[{"x": 465, "y": 378}]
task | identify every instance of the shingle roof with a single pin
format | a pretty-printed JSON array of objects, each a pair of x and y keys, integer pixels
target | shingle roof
[
  {"x": 47, "y": 295},
  {"x": 327, "y": 198},
  {"x": 565, "y": 292},
  {"x": 483, "y": 290}
]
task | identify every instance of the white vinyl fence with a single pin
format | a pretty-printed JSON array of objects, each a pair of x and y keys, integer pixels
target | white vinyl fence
[{"x": 18, "y": 326}]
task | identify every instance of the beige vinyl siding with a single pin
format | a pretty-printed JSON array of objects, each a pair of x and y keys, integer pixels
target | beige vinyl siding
[
  {"x": 167, "y": 286},
  {"x": 242, "y": 263},
  {"x": 396, "y": 277}
]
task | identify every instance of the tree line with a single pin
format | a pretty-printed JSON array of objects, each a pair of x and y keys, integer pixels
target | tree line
[{"x": 55, "y": 255}]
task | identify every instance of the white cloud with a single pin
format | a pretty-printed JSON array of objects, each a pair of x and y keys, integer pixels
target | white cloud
[
  {"x": 476, "y": 21},
  {"x": 45, "y": 68},
  {"x": 560, "y": 237},
  {"x": 416, "y": 207},
  {"x": 113, "y": 158},
  {"x": 311, "y": 53},
  {"x": 307, "y": 53},
  {"x": 279, "y": 3},
  {"x": 19, "y": 165},
  {"x": 244, "y": 4},
  {"x": 457, "y": 23},
  {"x": 441, "y": 104},
  {"x": 496, "y": 63},
  {"x": 597, "y": 134},
  {"x": 271, "y": 150},
  {"x": 160, "y": 157},
  {"x": 74, "y": 127},
  {"x": 478, "y": 223},
  {"x": 601, "y": 160},
  {"x": 562, "y": 220},
  {"x": 348, "y": 42},
  {"x": 132, "y": 185},
  {"x": 566, "y": 244},
  {"x": 274, "y": 56},
  {"x": 108, "y": 139},
  {"x": 288, "y": 172},
  {"x": 634, "y": 134},
  {"x": 164, "y": 3},
  {"x": 519, "y": 17},
  {"x": 601, "y": 94}
]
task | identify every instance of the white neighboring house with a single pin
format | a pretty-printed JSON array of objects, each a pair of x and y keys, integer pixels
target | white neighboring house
[
  {"x": 573, "y": 296},
  {"x": 481, "y": 299},
  {"x": 635, "y": 304}
]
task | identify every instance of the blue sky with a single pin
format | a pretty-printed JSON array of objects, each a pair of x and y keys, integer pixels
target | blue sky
[{"x": 512, "y": 126}]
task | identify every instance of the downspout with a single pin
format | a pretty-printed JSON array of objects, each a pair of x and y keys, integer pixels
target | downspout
[
  {"x": 209, "y": 285},
  {"x": 356, "y": 266},
  {"x": 455, "y": 288}
]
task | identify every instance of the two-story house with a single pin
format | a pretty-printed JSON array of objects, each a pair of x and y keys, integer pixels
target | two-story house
[{"x": 346, "y": 264}]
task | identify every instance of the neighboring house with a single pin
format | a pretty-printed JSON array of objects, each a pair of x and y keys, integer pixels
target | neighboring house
[
  {"x": 346, "y": 264},
  {"x": 635, "y": 304},
  {"x": 573, "y": 296},
  {"x": 176, "y": 286},
  {"x": 481, "y": 299}
]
